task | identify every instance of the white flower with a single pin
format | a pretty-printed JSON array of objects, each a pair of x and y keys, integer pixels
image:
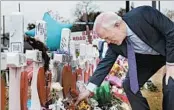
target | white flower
[{"x": 56, "y": 86}]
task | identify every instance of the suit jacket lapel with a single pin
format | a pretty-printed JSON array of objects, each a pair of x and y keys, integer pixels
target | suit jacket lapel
[
  {"x": 121, "y": 49},
  {"x": 124, "y": 48}
]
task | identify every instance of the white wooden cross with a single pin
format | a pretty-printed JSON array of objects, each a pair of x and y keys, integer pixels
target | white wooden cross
[
  {"x": 40, "y": 31},
  {"x": 36, "y": 57},
  {"x": 15, "y": 59}
]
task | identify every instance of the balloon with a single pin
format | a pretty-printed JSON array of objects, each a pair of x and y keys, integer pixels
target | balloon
[{"x": 54, "y": 30}]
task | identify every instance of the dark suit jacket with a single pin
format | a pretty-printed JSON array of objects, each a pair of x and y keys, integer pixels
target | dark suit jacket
[{"x": 150, "y": 26}]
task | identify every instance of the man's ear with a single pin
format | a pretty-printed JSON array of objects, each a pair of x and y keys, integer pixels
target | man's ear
[{"x": 117, "y": 24}]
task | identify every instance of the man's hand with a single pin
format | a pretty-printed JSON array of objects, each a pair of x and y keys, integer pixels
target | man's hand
[
  {"x": 169, "y": 72},
  {"x": 85, "y": 94}
]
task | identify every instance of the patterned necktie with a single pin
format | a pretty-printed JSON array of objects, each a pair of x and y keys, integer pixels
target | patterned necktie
[{"x": 132, "y": 72}]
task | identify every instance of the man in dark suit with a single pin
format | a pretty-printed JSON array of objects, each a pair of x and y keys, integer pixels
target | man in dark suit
[{"x": 150, "y": 35}]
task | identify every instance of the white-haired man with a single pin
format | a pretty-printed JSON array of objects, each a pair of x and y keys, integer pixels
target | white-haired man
[{"x": 146, "y": 37}]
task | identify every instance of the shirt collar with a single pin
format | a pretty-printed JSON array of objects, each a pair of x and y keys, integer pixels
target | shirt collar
[{"x": 129, "y": 32}]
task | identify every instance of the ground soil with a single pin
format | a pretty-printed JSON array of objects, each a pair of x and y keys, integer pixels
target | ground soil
[{"x": 155, "y": 98}]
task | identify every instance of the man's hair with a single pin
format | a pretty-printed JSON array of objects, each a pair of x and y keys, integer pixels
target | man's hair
[{"x": 106, "y": 20}]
